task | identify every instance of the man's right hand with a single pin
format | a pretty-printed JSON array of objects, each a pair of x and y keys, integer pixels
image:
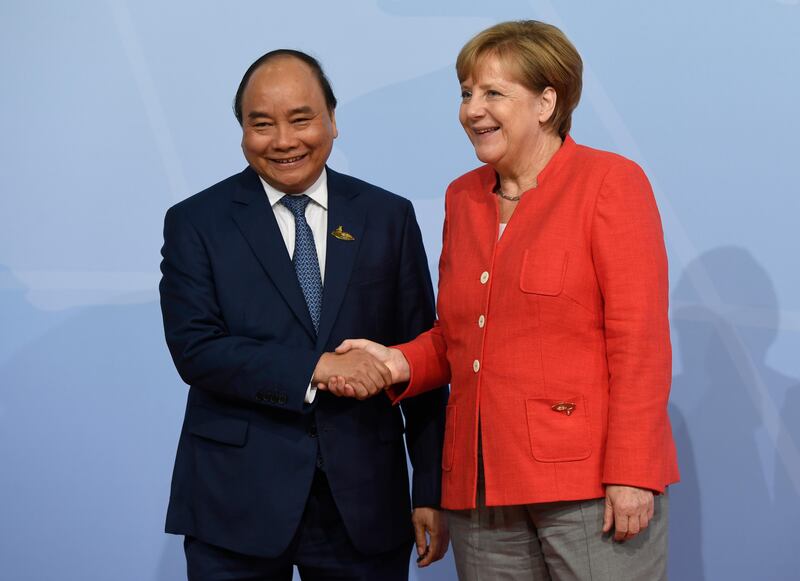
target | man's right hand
[{"x": 365, "y": 374}]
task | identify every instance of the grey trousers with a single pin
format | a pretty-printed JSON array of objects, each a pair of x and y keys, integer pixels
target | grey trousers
[{"x": 556, "y": 541}]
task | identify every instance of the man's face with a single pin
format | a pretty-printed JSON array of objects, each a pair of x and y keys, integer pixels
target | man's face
[{"x": 287, "y": 130}]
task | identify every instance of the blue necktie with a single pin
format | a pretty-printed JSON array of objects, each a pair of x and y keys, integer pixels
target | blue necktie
[{"x": 306, "y": 263}]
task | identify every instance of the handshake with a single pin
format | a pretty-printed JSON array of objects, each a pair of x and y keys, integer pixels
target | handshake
[{"x": 360, "y": 368}]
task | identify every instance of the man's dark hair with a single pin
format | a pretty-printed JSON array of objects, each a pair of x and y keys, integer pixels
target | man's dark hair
[{"x": 316, "y": 68}]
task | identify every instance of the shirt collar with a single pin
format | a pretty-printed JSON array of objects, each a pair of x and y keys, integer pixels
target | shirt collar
[{"x": 318, "y": 191}]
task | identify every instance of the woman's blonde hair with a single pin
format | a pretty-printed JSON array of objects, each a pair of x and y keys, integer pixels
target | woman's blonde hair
[{"x": 538, "y": 56}]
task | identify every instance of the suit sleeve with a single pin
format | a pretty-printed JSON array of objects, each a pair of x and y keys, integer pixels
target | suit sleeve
[
  {"x": 631, "y": 266},
  {"x": 206, "y": 355},
  {"x": 425, "y": 415}
]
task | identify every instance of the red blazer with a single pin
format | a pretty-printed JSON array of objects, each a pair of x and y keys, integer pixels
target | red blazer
[{"x": 555, "y": 337}]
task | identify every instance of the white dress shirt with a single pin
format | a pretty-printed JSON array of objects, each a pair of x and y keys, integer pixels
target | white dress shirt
[{"x": 317, "y": 218}]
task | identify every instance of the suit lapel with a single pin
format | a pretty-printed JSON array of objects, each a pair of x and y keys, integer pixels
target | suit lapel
[
  {"x": 256, "y": 220},
  {"x": 341, "y": 254}
]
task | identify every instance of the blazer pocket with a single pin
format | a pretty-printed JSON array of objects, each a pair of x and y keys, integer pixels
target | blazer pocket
[
  {"x": 543, "y": 273},
  {"x": 211, "y": 425},
  {"x": 449, "y": 438},
  {"x": 558, "y": 428}
]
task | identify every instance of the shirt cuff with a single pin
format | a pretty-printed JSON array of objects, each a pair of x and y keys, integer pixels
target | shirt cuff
[{"x": 311, "y": 393}]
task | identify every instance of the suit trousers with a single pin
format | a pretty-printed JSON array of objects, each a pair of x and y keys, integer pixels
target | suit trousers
[
  {"x": 554, "y": 541},
  {"x": 321, "y": 550}
]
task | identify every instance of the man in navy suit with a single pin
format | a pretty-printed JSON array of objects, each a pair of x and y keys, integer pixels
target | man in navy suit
[{"x": 264, "y": 274}]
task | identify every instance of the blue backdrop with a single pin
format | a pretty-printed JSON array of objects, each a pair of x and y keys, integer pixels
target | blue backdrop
[{"x": 111, "y": 111}]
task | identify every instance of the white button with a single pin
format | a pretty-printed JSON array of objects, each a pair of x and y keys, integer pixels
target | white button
[
  {"x": 484, "y": 277},
  {"x": 476, "y": 365},
  {"x": 481, "y": 321}
]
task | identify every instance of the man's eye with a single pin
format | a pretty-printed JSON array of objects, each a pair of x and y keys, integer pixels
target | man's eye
[
  {"x": 262, "y": 124},
  {"x": 301, "y": 121}
]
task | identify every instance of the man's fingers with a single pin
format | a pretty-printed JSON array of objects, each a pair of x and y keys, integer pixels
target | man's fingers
[
  {"x": 420, "y": 539},
  {"x": 435, "y": 549},
  {"x": 334, "y": 385},
  {"x": 374, "y": 380},
  {"x": 427, "y": 558},
  {"x": 358, "y": 390}
]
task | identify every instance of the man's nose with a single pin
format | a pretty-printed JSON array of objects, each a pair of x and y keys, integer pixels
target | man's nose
[{"x": 285, "y": 137}]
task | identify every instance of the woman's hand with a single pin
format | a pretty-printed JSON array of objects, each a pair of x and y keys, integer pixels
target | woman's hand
[{"x": 628, "y": 509}]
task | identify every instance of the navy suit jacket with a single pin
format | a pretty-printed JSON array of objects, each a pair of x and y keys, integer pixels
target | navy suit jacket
[{"x": 240, "y": 335}]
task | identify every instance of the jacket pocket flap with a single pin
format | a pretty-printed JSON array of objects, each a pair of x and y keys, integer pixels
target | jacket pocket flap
[
  {"x": 558, "y": 428},
  {"x": 209, "y": 424},
  {"x": 543, "y": 273}
]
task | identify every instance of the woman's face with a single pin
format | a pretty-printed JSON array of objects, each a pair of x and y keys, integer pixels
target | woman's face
[{"x": 502, "y": 117}]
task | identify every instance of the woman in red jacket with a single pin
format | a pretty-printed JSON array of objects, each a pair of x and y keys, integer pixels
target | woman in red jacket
[{"x": 552, "y": 331}]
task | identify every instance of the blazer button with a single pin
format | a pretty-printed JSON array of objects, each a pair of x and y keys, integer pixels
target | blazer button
[
  {"x": 476, "y": 366},
  {"x": 481, "y": 321},
  {"x": 484, "y": 277}
]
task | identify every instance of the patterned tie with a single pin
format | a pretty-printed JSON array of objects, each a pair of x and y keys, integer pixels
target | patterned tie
[{"x": 305, "y": 261}]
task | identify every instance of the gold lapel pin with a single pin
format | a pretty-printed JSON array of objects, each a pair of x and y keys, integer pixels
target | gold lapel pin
[
  {"x": 563, "y": 407},
  {"x": 341, "y": 234}
]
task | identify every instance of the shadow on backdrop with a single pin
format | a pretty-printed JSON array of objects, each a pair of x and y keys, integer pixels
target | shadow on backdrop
[{"x": 728, "y": 520}]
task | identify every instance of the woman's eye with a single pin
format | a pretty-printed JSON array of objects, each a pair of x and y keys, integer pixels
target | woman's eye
[
  {"x": 492, "y": 93},
  {"x": 465, "y": 95}
]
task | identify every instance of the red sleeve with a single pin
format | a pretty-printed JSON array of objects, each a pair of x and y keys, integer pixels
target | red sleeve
[
  {"x": 427, "y": 360},
  {"x": 631, "y": 266}
]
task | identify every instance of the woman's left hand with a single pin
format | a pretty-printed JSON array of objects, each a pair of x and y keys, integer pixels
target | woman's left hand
[{"x": 628, "y": 510}]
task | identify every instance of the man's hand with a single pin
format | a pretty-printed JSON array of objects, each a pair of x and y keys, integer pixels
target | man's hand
[
  {"x": 365, "y": 375},
  {"x": 628, "y": 509},
  {"x": 431, "y": 535}
]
